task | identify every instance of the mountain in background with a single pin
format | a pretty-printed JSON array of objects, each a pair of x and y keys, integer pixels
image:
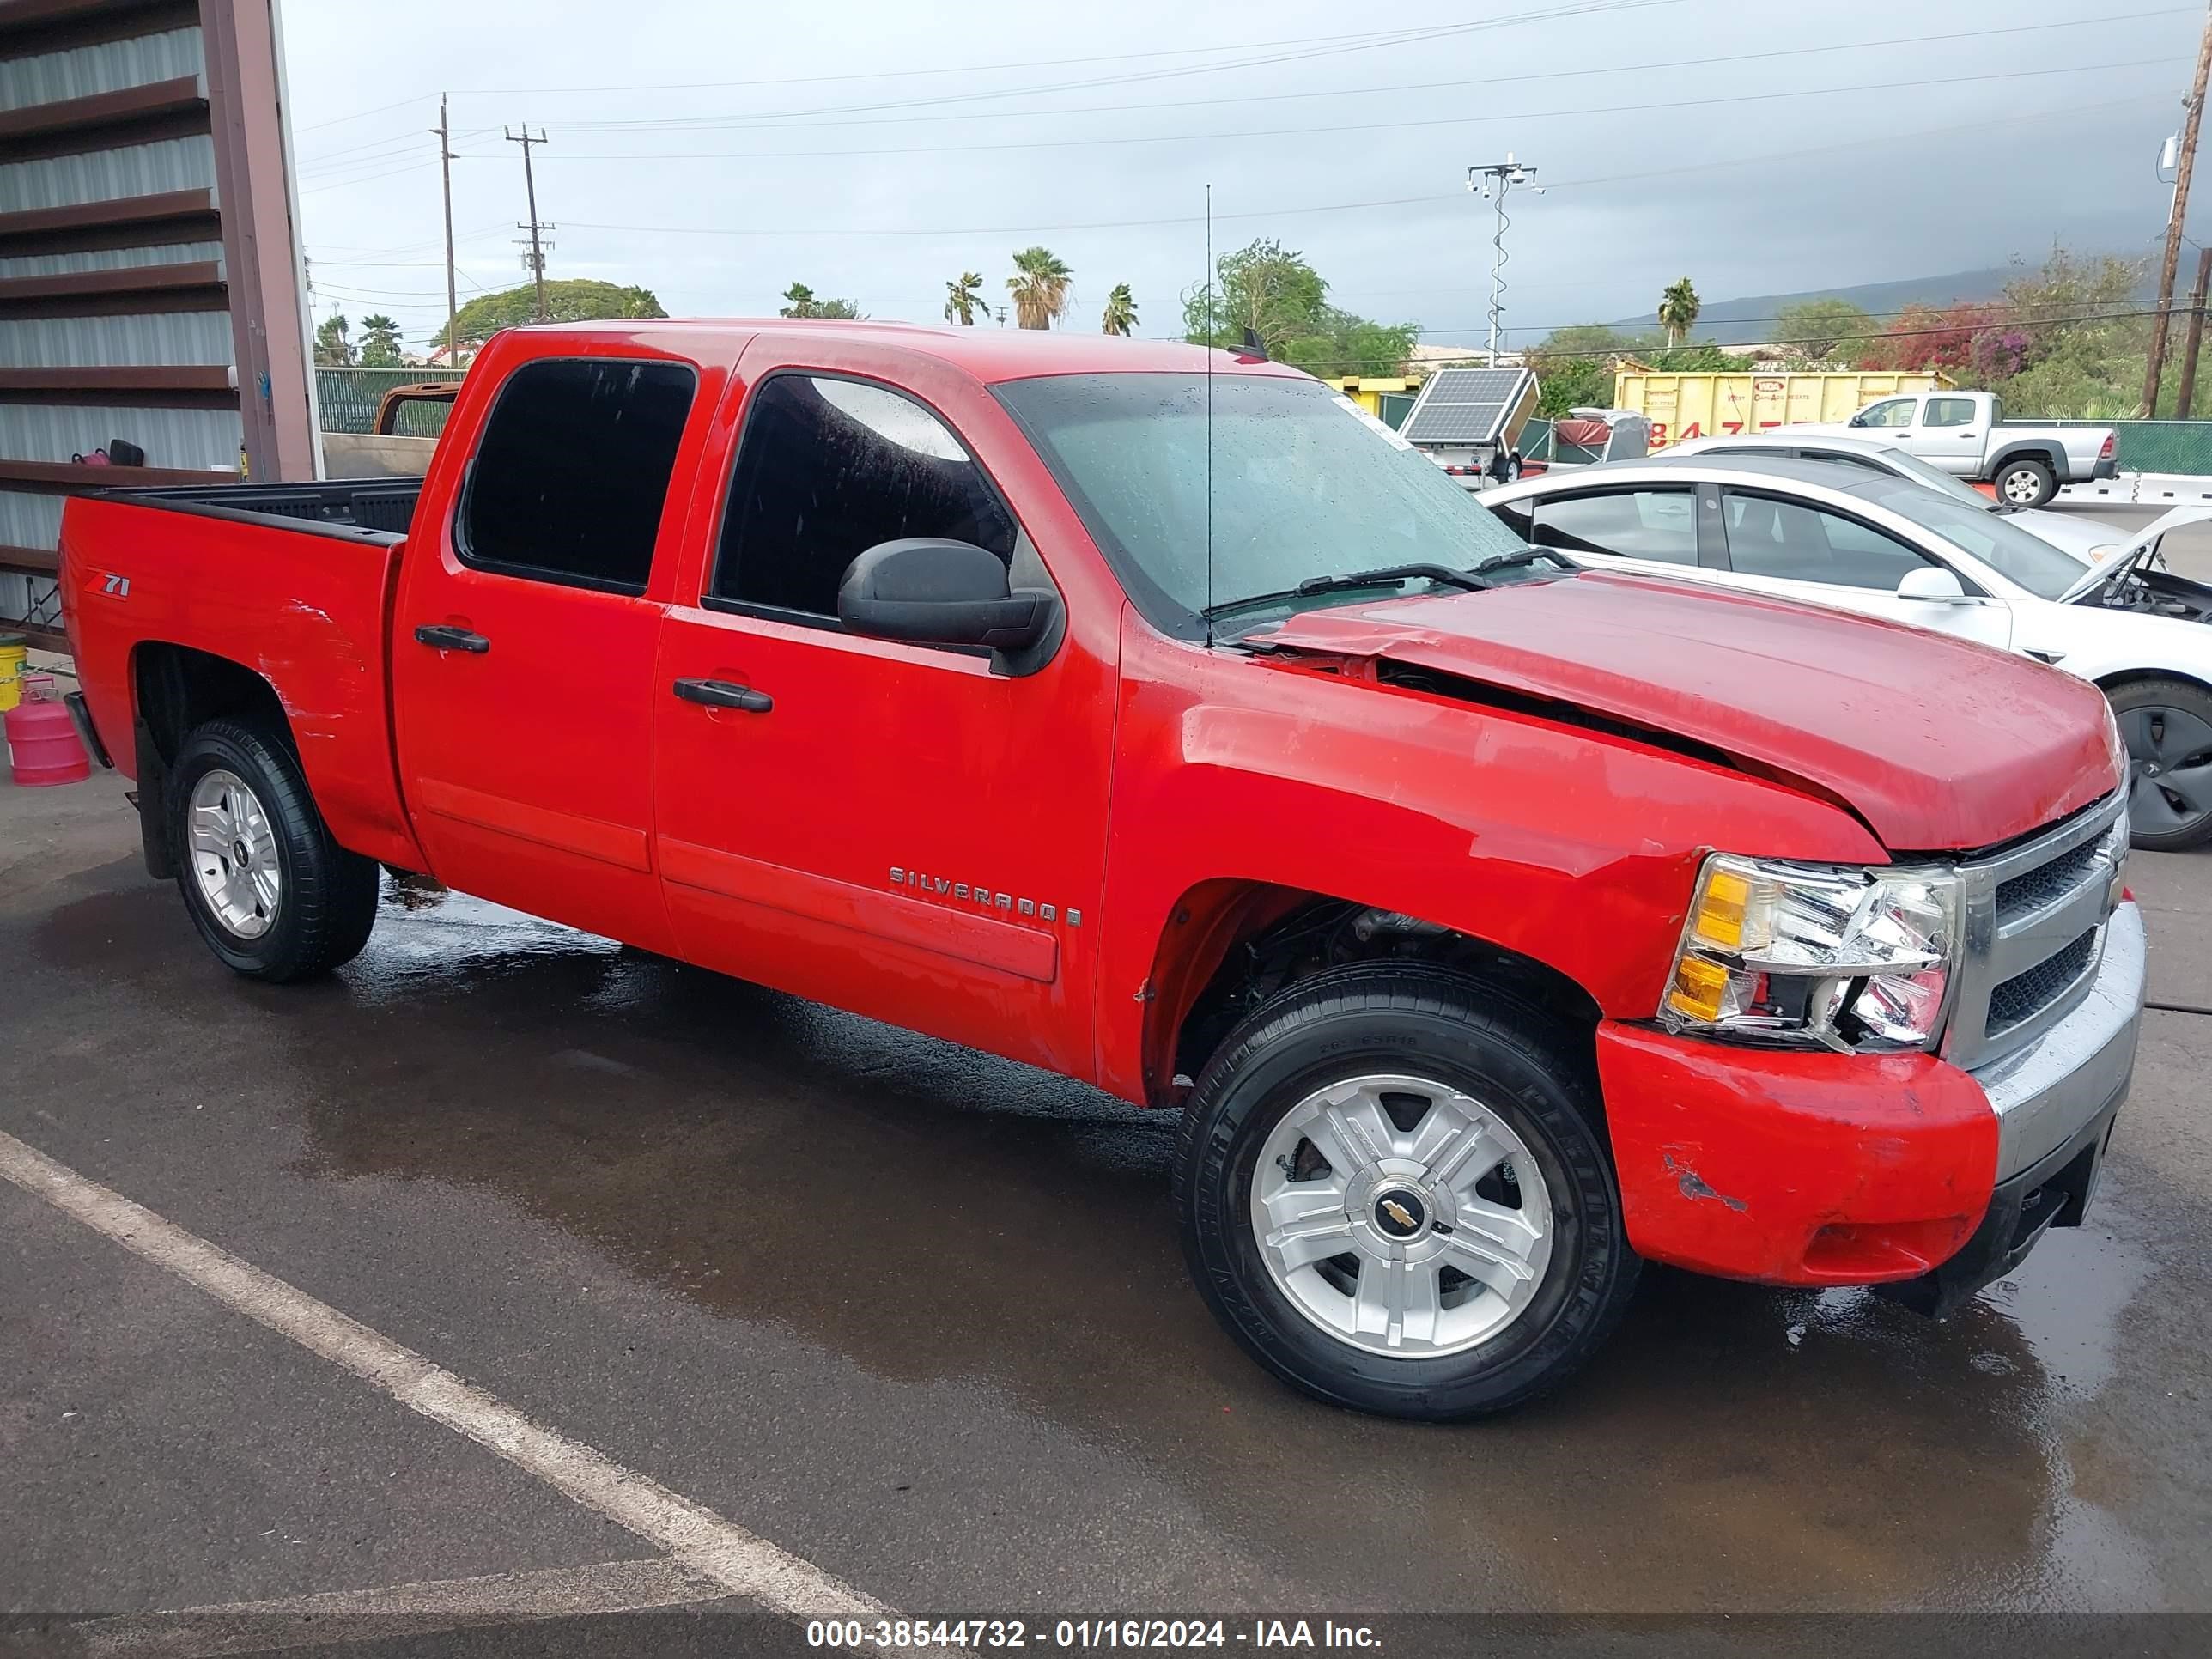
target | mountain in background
[{"x": 1748, "y": 321}]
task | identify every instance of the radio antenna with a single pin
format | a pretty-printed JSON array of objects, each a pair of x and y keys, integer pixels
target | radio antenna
[{"x": 1210, "y": 331}]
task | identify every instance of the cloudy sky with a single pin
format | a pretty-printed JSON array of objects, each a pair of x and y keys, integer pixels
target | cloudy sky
[{"x": 874, "y": 148}]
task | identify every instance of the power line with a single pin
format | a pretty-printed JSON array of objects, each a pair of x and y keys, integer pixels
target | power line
[
  {"x": 705, "y": 123},
  {"x": 1365, "y": 41},
  {"x": 1759, "y": 159},
  {"x": 1371, "y": 126}
]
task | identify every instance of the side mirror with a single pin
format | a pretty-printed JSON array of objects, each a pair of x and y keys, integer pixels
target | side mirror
[
  {"x": 1936, "y": 586},
  {"x": 936, "y": 592}
]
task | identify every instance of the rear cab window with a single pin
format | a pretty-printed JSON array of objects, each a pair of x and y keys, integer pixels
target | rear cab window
[{"x": 572, "y": 472}]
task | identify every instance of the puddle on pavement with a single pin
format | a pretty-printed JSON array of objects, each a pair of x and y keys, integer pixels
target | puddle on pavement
[{"x": 1011, "y": 1230}]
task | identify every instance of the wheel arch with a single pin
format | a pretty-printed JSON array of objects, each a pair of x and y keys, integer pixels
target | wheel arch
[
  {"x": 1229, "y": 944},
  {"x": 2031, "y": 449},
  {"x": 176, "y": 688},
  {"x": 2117, "y": 677}
]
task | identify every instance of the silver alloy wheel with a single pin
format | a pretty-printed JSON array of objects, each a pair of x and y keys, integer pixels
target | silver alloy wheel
[
  {"x": 2021, "y": 487},
  {"x": 1413, "y": 1242},
  {"x": 234, "y": 854}
]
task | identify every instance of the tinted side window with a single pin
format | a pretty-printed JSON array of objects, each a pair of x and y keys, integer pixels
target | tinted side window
[
  {"x": 1949, "y": 411},
  {"x": 1636, "y": 524},
  {"x": 573, "y": 470},
  {"x": 829, "y": 468},
  {"x": 1768, "y": 537}
]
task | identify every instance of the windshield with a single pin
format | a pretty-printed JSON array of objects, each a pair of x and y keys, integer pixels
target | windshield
[
  {"x": 1305, "y": 484},
  {"x": 2027, "y": 561}
]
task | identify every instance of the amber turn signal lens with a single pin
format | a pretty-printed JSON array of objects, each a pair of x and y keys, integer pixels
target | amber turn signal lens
[
  {"x": 1699, "y": 988},
  {"x": 1720, "y": 909}
]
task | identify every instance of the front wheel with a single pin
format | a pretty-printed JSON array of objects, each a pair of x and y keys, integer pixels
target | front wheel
[
  {"x": 273, "y": 895},
  {"x": 1394, "y": 1194},
  {"x": 2167, "y": 726},
  {"x": 2025, "y": 484}
]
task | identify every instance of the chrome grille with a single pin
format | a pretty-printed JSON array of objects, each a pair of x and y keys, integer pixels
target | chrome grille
[
  {"x": 2033, "y": 917},
  {"x": 2054, "y": 880},
  {"x": 2024, "y": 995}
]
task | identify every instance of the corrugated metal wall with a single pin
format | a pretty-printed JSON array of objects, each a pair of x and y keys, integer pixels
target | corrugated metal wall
[{"x": 141, "y": 151}]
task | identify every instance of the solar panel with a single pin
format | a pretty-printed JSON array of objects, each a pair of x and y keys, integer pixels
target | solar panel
[{"x": 1468, "y": 405}]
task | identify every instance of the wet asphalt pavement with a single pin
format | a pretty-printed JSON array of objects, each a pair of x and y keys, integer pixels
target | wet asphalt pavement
[{"x": 919, "y": 1317}]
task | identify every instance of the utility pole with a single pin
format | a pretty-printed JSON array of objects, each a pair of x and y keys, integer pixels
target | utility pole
[
  {"x": 444, "y": 130},
  {"x": 2186, "y": 391},
  {"x": 2184, "y": 167},
  {"x": 1491, "y": 182},
  {"x": 536, "y": 258}
]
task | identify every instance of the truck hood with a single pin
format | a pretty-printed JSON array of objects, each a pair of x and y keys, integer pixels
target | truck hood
[{"x": 1936, "y": 744}]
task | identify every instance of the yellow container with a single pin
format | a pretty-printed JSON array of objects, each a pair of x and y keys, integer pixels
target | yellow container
[
  {"x": 12, "y": 658},
  {"x": 1683, "y": 406}
]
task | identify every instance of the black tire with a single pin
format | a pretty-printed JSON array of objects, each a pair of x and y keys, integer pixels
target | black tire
[
  {"x": 2021, "y": 468},
  {"x": 2166, "y": 724},
  {"x": 327, "y": 903},
  {"x": 1522, "y": 1066}
]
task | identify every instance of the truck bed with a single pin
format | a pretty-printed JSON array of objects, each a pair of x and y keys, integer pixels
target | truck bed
[
  {"x": 294, "y": 581},
  {"x": 386, "y": 504}
]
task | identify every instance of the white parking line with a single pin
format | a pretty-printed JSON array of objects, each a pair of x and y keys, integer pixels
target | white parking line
[
  {"x": 739, "y": 1561},
  {"x": 392, "y": 1611}
]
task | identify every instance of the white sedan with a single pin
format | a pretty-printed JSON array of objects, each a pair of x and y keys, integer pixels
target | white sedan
[
  {"x": 1891, "y": 547},
  {"x": 2090, "y": 540}
]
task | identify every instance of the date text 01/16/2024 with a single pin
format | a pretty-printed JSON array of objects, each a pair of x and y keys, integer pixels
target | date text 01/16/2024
[{"x": 1085, "y": 1633}]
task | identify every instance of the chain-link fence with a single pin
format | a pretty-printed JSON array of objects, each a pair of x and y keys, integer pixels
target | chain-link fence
[
  {"x": 2158, "y": 446},
  {"x": 348, "y": 398}
]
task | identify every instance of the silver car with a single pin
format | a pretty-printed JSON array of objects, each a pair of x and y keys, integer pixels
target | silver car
[{"x": 2090, "y": 540}]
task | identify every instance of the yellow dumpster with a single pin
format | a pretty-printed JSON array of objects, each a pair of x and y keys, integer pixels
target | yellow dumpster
[{"x": 1683, "y": 406}]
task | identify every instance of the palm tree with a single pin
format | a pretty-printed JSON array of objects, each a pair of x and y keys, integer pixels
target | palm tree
[
  {"x": 962, "y": 298},
  {"x": 379, "y": 342},
  {"x": 1121, "y": 316},
  {"x": 1040, "y": 290},
  {"x": 1678, "y": 309}
]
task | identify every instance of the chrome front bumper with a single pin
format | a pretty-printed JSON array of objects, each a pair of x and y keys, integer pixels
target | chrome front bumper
[{"x": 2046, "y": 1091}]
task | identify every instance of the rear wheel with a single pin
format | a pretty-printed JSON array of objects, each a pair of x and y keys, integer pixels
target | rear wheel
[
  {"x": 273, "y": 895},
  {"x": 1394, "y": 1196},
  {"x": 2025, "y": 484},
  {"x": 2167, "y": 726}
]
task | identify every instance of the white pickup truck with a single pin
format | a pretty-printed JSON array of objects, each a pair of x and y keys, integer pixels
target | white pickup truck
[{"x": 1965, "y": 434}]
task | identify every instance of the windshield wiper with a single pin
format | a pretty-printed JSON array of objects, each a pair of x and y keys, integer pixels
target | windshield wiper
[
  {"x": 1390, "y": 575},
  {"x": 1523, "y": 559}
]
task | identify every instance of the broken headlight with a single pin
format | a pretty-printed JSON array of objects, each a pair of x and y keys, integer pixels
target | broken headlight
[{"x": 1841, "y": 957}]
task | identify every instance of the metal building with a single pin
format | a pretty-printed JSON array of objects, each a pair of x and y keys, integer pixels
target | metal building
[{"x": 149, "y": 294}]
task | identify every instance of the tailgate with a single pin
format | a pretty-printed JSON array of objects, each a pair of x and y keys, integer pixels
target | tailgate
[{"x": 303, "y": 605}]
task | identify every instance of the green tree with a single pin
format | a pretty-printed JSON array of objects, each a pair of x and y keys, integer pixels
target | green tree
[
  {"x": 1678, "y": 309},
  {"x": 1586, "y": 340},
  {"x": 333, "y": 348},
  {"x": 379, "y": 342},
  {"x": 1264, "y": 287},
  {"x": 800, "y": 301},
  {"x": 1823, "y": 331},
  {"x": 964, "y": 298},
  {"x": 1273, "y": 292},
  {"x": 1121, "y": 314},
  {"x": 574, "y": 300},
  {"x": 1040, "y": 286}
]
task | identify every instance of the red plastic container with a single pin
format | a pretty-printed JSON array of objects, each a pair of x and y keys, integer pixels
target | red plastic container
[{"x": 42, "y": 746}]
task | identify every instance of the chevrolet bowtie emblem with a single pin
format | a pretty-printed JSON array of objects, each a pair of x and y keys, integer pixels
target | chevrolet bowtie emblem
[{"x": 1398, "y": 1213}]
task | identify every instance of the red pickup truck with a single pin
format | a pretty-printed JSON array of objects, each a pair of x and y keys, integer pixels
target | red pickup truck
[{"x": 1155, "y": 716}]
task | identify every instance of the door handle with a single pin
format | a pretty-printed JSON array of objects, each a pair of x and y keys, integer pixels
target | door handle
[
  {"x": 440, "y": 637},
  {"x": 721, "y": 694}
]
